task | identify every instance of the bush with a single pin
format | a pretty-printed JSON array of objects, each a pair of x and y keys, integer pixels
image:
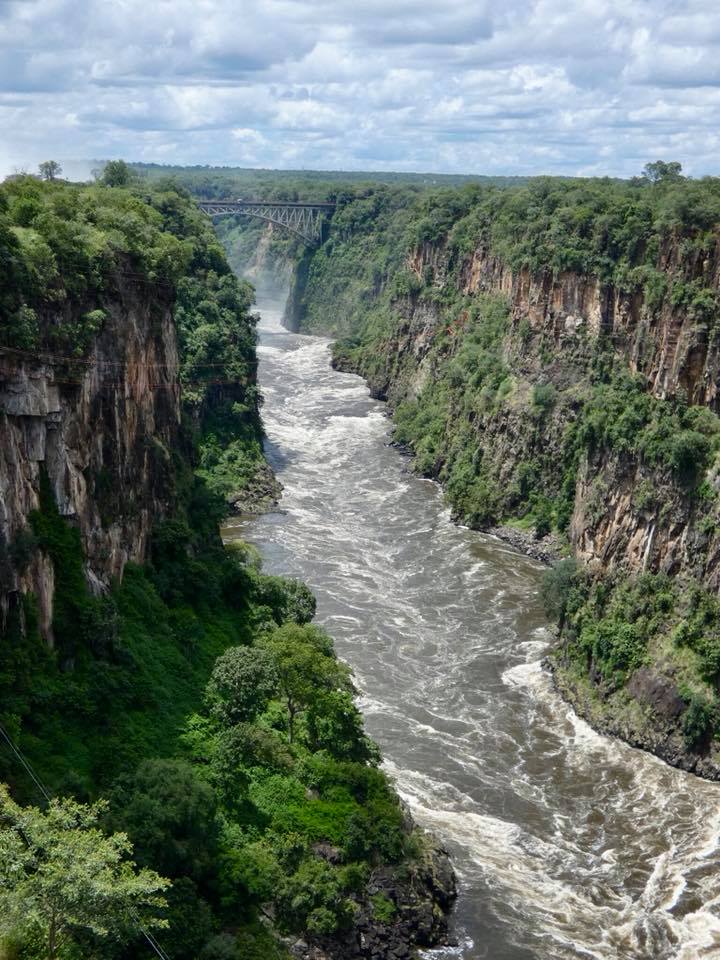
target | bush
[
  {"x": 557, "y": 584},
  {"x": 383, "y": 908},
  {"x": 698, "y": 723},
  {"x": 544, "y": 397},
  {"x": 543, "y": 516}
]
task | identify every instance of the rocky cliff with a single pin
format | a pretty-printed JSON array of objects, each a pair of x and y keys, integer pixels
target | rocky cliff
[
  {"x": 555, "y": 323},
  {"x": 102, "y": 427},
  {"x": 551, "y": 356}
]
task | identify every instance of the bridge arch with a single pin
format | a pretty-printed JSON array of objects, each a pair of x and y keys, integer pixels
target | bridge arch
[{"x": 305, "y": 220}]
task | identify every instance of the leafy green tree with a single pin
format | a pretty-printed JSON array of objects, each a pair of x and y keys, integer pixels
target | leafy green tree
[
  {"x": 335, "y": 724},
  {"x": 555, "y": 589},
  {"x": 50, "y": 169},
  {"x": 170, "y": 815},
  {"x": 287, "y": 599},
  {"x": 116, "y": 173},
  {"x": 662, "y": 172},
  {"x": 698, "y": 722},
  {"x": 241, "y": 684},
  {"x": 59, "y": 873},
  {"x": 306, "y": 667}
]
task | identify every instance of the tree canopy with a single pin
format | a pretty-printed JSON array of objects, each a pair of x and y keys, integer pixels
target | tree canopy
[
  {"x": 49, "y": 169},
  {"x": 60, "y": 874}
]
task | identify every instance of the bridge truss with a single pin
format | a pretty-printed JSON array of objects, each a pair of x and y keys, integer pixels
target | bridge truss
[{"x": 306, "y": 220}]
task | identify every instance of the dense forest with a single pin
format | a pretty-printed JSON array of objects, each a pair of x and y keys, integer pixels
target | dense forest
[
  {"x": 191, "y": 704},
  {"x": 212, "y": 183}
]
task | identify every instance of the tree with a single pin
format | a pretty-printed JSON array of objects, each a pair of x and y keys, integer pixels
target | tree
[
  {"x": 170, "y": 815},
  {"x": 50, "y": 169},
  {"x": 662, "y": 172},
  {"x": 116, "y": 173},
  {"x": 59, "y": 872},
  {"x": 241, "y": 684},
  {"x": 306, "y": 667},
  {"x": 287, "y": 599},
  {"x": 555, "y": 589},
  {"x": 335, "y": 724}
]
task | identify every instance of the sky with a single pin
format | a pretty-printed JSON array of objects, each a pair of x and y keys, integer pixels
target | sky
[{"x": 578, "y": 87}]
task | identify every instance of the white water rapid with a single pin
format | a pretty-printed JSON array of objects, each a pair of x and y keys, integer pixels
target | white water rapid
[{"x": 566, "y": 844}]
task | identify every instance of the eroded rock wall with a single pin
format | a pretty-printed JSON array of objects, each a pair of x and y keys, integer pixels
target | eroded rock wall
[
  {"x": 555, "y": 321},
  {"x": 669, "y": 343},
  {"x": 103, "y": 428}
]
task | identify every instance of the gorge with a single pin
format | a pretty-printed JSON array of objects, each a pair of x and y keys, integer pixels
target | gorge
[
  {"x": 548, "y": 353},
  {"x": 176, "y": 692},
  {"x": 567, "y": 844}
]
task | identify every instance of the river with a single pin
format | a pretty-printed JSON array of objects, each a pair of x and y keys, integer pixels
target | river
[{"x": 566, "y": 844}]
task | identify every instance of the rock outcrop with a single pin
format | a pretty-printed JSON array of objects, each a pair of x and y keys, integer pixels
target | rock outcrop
[
  {"x": 400, "y": 910},
  {"x": 103, "y": 428}
]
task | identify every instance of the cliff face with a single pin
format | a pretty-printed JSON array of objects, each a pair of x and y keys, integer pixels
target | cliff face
[
  {"x": 668, "y": 344},
  {"x": 574, "y": 414},
  {"x": 103, "y": 428},
  {"x": 554, "y": 321}
]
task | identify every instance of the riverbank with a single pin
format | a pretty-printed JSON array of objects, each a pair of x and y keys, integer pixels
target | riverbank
[
  {"x": 649, "y": 719},
  {"x": 400, "y": 911}
]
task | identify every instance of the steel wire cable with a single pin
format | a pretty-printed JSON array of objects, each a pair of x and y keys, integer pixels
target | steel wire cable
[{"x": 39, "y": 784}]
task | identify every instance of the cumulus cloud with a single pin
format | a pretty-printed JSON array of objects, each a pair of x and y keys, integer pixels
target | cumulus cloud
[{"x": 526, "y": 86}]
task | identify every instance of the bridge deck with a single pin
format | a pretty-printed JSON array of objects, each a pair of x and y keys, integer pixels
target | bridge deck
[
  {"x": 321, "y": 204},
  {"x": 304, "y": 218}
]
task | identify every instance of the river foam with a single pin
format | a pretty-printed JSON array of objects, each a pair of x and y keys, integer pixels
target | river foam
[{"x": 567, "y": 844}]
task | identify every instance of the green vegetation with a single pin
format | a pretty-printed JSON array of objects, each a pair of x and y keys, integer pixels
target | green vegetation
[
  {"x": 612, "y": 625},
  {"x": 60, "y": 876},
  {"x": 251, "y": 775},
  {"x": 241, "y": 236},
  {"x": 383, "y": 908},
  {"x": 218, "y": 182},
  {"x": 195, "y": 695}
]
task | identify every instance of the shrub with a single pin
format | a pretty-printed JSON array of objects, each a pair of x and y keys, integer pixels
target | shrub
[
  {"x": 698, "y": 722},
  {"x": 383, "y": 908},
  {"x": 557, "y": 584},
  {"x": 544, "y": 397}
]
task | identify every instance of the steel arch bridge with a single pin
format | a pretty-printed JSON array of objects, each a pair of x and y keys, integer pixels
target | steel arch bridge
[{"x": 306, "y": 220}]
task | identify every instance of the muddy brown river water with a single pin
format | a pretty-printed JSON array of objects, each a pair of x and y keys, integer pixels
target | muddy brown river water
[{"x": 566, "y": 844}]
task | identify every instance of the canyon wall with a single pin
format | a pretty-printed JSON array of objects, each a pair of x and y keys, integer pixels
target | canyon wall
[
  {"x": 102, "y": 428},
  {"x": 674, "y": 353},
  {"x": 570, "y": 411}
]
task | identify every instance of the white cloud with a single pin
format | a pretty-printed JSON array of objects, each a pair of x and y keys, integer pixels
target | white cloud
[{"x": 526, "y": 86}]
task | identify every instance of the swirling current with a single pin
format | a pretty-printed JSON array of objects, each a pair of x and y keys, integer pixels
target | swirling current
[{"x": 566, "y": 844}]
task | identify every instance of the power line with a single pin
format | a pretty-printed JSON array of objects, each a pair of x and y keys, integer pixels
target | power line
[
  {"x": 38, "y": 783},
  {"x": 25, "y": 763},
  {"x": 42, "y": 356}
]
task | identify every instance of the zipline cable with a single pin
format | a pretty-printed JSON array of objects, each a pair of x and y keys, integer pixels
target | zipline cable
[
  {"x": 38, "y": 783},
  {"x": 25, "y": 763}
]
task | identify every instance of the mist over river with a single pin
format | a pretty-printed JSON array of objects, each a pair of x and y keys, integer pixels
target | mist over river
[{"x": 566, "y": 844}]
